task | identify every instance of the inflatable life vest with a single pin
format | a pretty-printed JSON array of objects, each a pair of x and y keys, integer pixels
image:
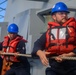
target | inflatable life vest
[
  {"x": 61, "y": 38},
  {"x": 10, "y": 47}
]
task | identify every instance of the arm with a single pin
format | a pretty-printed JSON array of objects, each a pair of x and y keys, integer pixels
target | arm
[
  {"x": 39, "y": 44},
  {"x": 71, "y": 54},
  {"x": 38, "y": 48},
  {"x": 21, "y": 48}
]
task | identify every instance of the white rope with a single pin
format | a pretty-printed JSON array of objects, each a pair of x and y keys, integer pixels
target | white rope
[
  {"x": 24, "y": 55},
  {"x": 29, "y": 55},
  {"x": 65, "y": 58}
]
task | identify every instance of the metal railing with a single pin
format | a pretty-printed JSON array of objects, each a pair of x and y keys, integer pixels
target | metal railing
[{"x": 2, "y": 9}]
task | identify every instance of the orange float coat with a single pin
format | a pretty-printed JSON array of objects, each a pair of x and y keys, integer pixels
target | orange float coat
[
  {"x": 61, "y": 38},
  {"x": 10, "y": 47}
]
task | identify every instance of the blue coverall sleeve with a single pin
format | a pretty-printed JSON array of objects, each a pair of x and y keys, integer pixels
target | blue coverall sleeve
[{"x": 39, "y": 44}]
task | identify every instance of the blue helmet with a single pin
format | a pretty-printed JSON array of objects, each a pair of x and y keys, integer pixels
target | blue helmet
[
  {"x": 13, "y": 28},
  {"x": 59, "y": 7}
]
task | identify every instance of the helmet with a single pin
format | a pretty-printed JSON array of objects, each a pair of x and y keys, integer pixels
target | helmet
[
  {"x": 13, "y": 28},
  {"x": 59, "y": 7}
]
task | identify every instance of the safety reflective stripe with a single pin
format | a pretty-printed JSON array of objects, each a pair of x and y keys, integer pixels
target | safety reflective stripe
[{"x": 58, "y": 33}]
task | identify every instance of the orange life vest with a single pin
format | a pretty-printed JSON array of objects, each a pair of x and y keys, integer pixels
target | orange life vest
[
  {"x": 10, "y": 47},
  {"x": 61, "y": 38}
]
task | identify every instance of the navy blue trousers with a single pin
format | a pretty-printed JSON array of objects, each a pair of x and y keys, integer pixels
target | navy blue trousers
[
  {"x": 18, "y": 71},
  {"x": 49, "y": 71},
  {"x": 1, "y": 64}
]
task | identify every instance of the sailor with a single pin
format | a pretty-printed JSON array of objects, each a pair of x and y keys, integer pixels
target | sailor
[
  {"x": 59, "y": 40},
  {"x": 14, "y": 43}
]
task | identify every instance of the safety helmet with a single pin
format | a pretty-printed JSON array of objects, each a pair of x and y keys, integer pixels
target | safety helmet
[
  {"x": 59, "y": 7},
  {"x": 13, "y": 28}
]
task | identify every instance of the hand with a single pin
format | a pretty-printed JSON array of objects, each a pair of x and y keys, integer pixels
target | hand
[
  {"x": 1, "y": 52},
  {"x": 59, "y": 59},
  {"x": 43, "y": 57},
  {"x": 16, "y": 54}
]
